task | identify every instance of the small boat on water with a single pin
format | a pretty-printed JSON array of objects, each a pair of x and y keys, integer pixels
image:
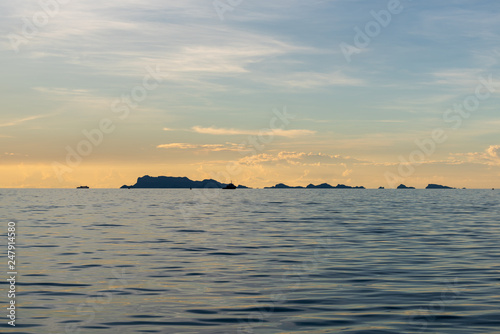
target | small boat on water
[
  {"x": 230, "y": 186},
  {"x": 82, "y": 187}
]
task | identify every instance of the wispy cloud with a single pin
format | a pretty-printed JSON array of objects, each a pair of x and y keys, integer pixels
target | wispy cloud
[
  {"x": 23, "y": 120},
  {"x": 276, "y": 132},
  {"x": 56, "y": 91},
  {"x": 298, "y": 158},
  {"x": 460, "y": 78},
  {"x": 201, "y": 55},
  {"x": 309, "y": 80},
  {"x": 10, "y": 154},
  {"x": 228, "y": 147}
]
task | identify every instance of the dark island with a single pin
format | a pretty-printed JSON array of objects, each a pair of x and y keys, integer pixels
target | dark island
[
  {"x": 170, "y": 182},
  {"x": 437, "y": 186},
  {"x": 283, "y": 186},
  {"x": 167, "y": 182},
  {"x": 402, "y": 186}
]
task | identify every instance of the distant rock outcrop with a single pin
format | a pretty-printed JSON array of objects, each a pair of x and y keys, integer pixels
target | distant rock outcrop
[
  {"x": 312, "y": 186},
  {"x": 381, "y": 187},
  {"x": 147, "y": 182},
  {"x": 319, "y": 186},
  {"x": 283, "y": 186},
  {"x": 342, "y": 186},
  {"x": 402, "y": 186},
  {"x": 437, "y": 186}
]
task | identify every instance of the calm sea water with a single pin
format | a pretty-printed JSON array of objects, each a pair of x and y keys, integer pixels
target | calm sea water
[{"x": 254, "y": 261}]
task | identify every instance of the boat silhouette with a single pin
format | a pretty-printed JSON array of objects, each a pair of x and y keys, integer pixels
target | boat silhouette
[{"x": 82, "y": 187}]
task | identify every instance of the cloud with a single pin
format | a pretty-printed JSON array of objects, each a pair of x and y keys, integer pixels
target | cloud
[
  {"x": 200, "y": 55},
  {"x": 309, "y": 80},
  {"x": 494, "y": 151},
  {"x": 62, "y": 91},
  {"x": 228, "y": 147},
  {"x": 88, "y": 34},
  {"x": 81, "y": 97},
  {"x": 10, "y": 154},
  {"x": 23, "y": 120},
  {"x": 292, "y": 133},
  {"x": 219, "y": 131},
  {"x": 275, "y": 132},
  {"x": 464, "y": 80},
  {"x": 490, "y": 156},
  {"x": 299, "y": 158},
  {"x": 347, "y": 172}
]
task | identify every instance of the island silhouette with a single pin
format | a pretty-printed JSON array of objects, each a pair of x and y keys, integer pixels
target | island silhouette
[
  {"x": 312, "y": 186},
  {"x": 438, "y": 186},
  {"x": 171, "y": 182},
  {"x": 402, "y": 186},
  {"x": 150, "y": 182}
]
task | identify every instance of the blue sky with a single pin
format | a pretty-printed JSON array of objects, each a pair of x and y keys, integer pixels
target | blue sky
[{"x": 222, "y": 79}]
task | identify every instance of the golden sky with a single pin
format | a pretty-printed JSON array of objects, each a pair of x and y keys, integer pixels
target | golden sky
[{"x": 100, "y": 93}]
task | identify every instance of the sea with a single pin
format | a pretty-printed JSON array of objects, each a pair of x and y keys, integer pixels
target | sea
[{"x": 252, "y": 261}]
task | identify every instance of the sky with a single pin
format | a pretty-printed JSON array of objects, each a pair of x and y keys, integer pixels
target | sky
[{"x": 372, "y": 93}]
